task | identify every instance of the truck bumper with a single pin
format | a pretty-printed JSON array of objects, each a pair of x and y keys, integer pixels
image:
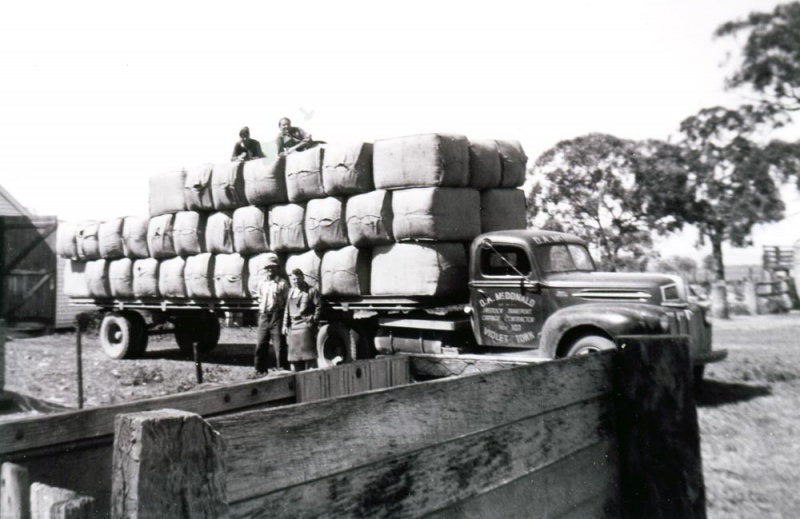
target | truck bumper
[{"x": 707, "y": 357}]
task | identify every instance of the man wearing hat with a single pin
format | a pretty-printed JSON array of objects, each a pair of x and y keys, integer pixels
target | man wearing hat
[{"x": 272, "y": 291}]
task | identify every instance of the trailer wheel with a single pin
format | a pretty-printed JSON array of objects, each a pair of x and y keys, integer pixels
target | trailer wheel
[
  {"x": 203, "y": 330},
  {"x": 118, "y": 336},
  {"x": 590, "y": 344},
  {"x": 335, "y": 344},
  {"x": 139, "y": 329}
]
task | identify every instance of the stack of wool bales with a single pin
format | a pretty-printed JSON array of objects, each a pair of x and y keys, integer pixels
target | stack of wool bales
[{"x": 393, "y": 218}]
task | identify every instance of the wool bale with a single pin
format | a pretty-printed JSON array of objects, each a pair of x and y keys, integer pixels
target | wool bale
[
  {"x": 134, "y": 237},
  {"x": 250, "y": 230},
  {"x": 265, "y": 181},
  {"x": 256, "y": 272},
  {"x": 325, "y": 224},
  {"x": 199, "y": 276},
  {"x": 230, "y": 276},
  {"x": 420, "y": 269},
  {"x": 514, "y": 162},
  {"x": 66, "y": 247},
  {"x": 503, "y": 210},
  {"x": 120, "y": 275},
  {"x": 219, "y": 233},
  {"x": 166, "y": 192},
  {"x": 286, "y": 228},
  {"x": 485, "y": 165},
  {"x": 110, "y": 240},
  {"x": 87, "y": 241},
  {"x": 160, "y": 239},
  {"x": 145, "y": 277},
  {"x": 436, "y": 213},
  {"x": 309, "y": 263},
  {"x": 369, "y": 219},
  {"x": 170, "y": 277},
  {"x": 347, "y": 168},
  {"x": 227, "y": 186},
  {"x": 75, "y": 282},
  {"x": 346, "y": 272},
  {"x": 189, "y": 233},
  {"x": 197, "y": 188},
  {"x": 97, "y": 278},
  {"x": 421, "y": 160},
  {"x": 304, "y": 175}
]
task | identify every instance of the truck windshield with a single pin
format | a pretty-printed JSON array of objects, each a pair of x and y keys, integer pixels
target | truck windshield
[{"x": 564, "y": 257}]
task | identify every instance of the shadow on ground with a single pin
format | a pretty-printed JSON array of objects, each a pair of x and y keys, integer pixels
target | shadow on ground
[
  {"x": 225, "y": 354},
  {"x": 713, "y": 393}
]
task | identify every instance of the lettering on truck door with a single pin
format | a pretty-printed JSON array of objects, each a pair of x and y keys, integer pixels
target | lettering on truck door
[{"x": 509, "y": 311}]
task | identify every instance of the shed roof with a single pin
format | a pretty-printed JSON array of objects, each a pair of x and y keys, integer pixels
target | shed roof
[{"x": 9, "y": 206}]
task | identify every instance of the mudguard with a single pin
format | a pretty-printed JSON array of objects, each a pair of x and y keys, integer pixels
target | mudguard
[{"x": 614, "y": 320}]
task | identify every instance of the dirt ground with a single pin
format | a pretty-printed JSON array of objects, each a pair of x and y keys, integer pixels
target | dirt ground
[{"x": 748, "y": 408}]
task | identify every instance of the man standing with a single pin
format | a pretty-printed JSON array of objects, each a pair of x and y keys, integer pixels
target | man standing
[
  {"x": 291, "y": 138},
  {"x": 246, "y": 148},
  {"x": 272, "y": 292}
]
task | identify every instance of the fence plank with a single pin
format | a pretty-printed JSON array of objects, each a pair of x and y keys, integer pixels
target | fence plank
[
  {"x": 312, "y": 386},
  {"x": 79, "y": 508},
  {"x": 15, "y": 492},
  {"x": 423, "y": 481},
  {"x": 43, "y": 497},
  {"x": 167, "y": 463},
  {"x": 321, "y": 439}
]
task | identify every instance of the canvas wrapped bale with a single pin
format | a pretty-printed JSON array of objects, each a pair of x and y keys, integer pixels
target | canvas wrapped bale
[
  {"x": 75, "y": 282},
  {"x": 170, "y": 277},
  {"x": 87, "y": 241},
  {"x": 346, "y": 272},
  {"x": 97, "y": 278},
  {"x": 160, "y": 239},
  {"x": 421, "y": 160},
  {"x": 230, "y": 276},
  {"x": 227, "y": 186},
  {"x": 286, "y": 228},
  {"x": 189, "y": 233},
  {"x": 110, "y": 240},
  {"x": 145, "y": 277},
  {"x": 66, "y": 247},
  {"x": 514, "y": 161},
  {"x": 325, "y": 223},
  {"x": 166, "y": 192},
  {"x": 304, "y": 175},
  {"x": 197, "y": 188},
  {"x": 369, "y": 219},
  {"x": 265, "y": 181},
  {"x": 436, "y": 213},
  {"x": 309, "y": 263},
  {"x": 256, "y": 272},
  {"x": 120, "y": 274},
  {"x": 503, "y": 210},
  {"x": 199, "y": 276},
  {"x": 134, "y": 237},
  {"x": 347, "y": 168},
  {"x": 420, "y": 269},
  {"x": 250, "y": 230},
  {"x": 485, "y": 165},
  {"x": 219, "y": 233}
]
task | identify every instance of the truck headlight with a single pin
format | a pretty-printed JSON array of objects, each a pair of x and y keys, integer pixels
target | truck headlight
[{"x": 664, "y": 322}]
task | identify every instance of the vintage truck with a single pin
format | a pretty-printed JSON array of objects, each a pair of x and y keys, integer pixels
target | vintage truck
[{"x": 529, "y": 292}]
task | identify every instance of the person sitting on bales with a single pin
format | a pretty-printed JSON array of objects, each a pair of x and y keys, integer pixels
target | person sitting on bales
[
  {"x": 246, "y": 148},
  {"x": 291, "y": 138}
]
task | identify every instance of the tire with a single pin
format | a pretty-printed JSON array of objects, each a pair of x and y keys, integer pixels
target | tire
[
  {"x": 139, "y": 333},
  {"x": 590, "y": 344},
  {"x": 118, "y": 336},
  {"x": 335, "y": 345},
  {"x": 203, "y": 330}
]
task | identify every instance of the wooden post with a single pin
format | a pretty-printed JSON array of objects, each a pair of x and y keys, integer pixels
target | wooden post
[
  {"x": 81, "y": 320},
  {"x": 167, "y": 463},
  {"x": 59, "y": 503},
  {"x": 15, "y": 490},
  {"x": 81, "y": 507},
  {"x": 719, "y": 300},
  {"x": 198, "y": 367},
  {"x": 659, "y": 438}
]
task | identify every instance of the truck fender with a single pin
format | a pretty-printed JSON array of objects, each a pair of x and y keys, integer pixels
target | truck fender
[{"x": 604, "y": 319}]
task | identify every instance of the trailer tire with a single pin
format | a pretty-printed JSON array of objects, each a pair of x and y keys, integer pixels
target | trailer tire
[
  {"x": 118, "y": 336},
  {"x": 335, "y": 344},
  {"x": 590, "y": 344},
  {"x": 203, "y": 330},
  {"x": 139, "y": 335}
]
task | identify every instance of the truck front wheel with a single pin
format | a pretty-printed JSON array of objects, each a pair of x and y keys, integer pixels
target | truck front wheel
[
  {"x": 590, "y": 344},
  {"x": 121, "y": 336},
  {"x": 203, "y": 330}
]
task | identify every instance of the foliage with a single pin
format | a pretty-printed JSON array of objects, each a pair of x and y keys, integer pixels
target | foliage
[{"x": 612, "y": 192}]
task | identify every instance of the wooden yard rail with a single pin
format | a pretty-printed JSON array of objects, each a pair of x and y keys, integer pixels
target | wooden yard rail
[
  {"x": 22, "y": 500},
  {"x": 606, "y": 435}
]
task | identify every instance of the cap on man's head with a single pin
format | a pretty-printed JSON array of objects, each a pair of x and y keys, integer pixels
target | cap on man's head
[{"x": 244, "y": 132}]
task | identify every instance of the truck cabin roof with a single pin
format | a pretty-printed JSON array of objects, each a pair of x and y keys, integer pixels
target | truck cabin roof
[{"x": 530, "y": 237}]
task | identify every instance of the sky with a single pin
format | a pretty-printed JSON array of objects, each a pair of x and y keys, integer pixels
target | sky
[{"x": 95, "y": 97}]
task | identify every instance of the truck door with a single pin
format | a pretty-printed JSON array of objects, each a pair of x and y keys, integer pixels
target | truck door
[{"x": 506, "y": 298}]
